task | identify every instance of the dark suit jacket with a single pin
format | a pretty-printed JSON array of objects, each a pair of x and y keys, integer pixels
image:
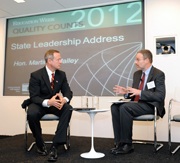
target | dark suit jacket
[
  {"x": 154, "y": 96},
  {"x": 40, "y": 89}
]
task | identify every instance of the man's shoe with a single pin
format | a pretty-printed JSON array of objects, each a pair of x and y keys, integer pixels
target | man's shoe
[
  {"x": 42, "y": 150},
  {"x": 53, "y": 154},
  {"x": 125, "y": 149},
  {"x": 116, "y": 147}
]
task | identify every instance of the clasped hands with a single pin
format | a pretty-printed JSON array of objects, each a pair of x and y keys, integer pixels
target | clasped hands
[
  {"x": 129, "y": 90},
  {"x": 57, "y": 101}
]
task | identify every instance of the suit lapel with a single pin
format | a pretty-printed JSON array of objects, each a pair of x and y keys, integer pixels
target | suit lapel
[
  {"x": 150, "y": 76},
  {"x": 56, "y": 79},
  {"x": 46, "y": 79}
]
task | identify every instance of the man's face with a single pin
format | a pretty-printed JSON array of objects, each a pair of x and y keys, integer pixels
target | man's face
[
  {"x": 140, "y": 62},
  {"x": 56, "y": 62}
]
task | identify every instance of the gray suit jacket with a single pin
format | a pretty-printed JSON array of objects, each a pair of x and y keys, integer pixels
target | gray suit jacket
[
  {"x": 155, "y": 95},
  {"x": 40, "y": 89}
]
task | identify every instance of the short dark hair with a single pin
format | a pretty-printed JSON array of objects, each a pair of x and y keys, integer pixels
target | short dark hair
[
  {"x": 50, "y": 54},
  {"x": 146, "y": 54}
]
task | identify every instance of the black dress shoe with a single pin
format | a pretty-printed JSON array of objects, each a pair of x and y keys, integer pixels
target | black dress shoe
[
  {"x": 117, "y": 146},
  {"x": 125, "y": 149},
  {"x": 53, "y": 154},
  {"x": 42, "y": 150}
]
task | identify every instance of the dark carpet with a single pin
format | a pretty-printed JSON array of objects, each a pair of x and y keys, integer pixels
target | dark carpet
[{"x": 12, "y": 150}]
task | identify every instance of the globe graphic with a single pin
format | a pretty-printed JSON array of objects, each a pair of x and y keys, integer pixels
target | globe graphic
[{"x": 100, "y": 72}]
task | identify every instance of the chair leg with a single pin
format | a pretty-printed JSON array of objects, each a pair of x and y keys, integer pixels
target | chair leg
[
  {"x": 157, "y": 146},
  {"x": 31, "y": 146},
  {"x": 67, "y": 145},
  {"x": 175, "y": 150},
  {"x": 172, "y": 152},
  {"x": 26, "y": 138},
  {"x": 169, "y": 135},
  {"x": 26, "y": 135}
]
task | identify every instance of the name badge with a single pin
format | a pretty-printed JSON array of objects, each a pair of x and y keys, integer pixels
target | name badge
[{"x": 151, "y": 85}]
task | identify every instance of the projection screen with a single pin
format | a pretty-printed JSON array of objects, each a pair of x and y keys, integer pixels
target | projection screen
[{"x": 97, "y": 44}]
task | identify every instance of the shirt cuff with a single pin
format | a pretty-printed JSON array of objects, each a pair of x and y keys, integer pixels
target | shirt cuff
[
  {"x": 67, "y": 100},
  {"x": 45, "y": 103},
  {"x": 140, "y": 95}
]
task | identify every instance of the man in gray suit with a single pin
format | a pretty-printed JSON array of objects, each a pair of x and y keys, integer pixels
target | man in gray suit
[
  {"x": 45, "y": 98},
  {"x": 151, "y": 95}
]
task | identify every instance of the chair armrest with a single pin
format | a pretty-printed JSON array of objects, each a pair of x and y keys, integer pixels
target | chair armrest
[{"x": 26, "y": 103}]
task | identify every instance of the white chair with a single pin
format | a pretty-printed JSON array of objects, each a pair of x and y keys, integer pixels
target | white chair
[
  {"x": 173, "y": 117},
  {"x": 47, "y": 117},
  {"x": 150, "y": 117}
]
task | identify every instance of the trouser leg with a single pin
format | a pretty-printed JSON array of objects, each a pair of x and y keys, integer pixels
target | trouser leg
[
  {"x": 64, "y": 119},
  {"x": 34, "y": 115},
  {"x": 122, "y": 118},
  {"x": 116, "y": 122}
]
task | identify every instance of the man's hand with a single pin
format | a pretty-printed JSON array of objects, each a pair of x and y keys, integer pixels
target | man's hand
[
  {"x": 62, "y": 101},
  {"x": 57, "y": 101},
  {"x": 133, "y": 91},
  {"x": 119, "y": 90}
]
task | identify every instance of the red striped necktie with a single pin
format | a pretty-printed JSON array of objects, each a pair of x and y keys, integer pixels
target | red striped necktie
[
  {"x": 52, "y": 81},
  {"x": 140, "y": 86}
]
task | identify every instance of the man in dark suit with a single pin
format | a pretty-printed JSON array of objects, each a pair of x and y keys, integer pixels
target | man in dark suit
[
  {"x": 45, "y": 98},
  {"x": 152, "y": 94}
]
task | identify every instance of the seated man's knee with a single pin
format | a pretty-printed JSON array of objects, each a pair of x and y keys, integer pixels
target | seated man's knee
[
  {"x": 32, "y": 116},
  {"x": 124, "y": 109},
  {"x": 32, "y": 113},
  {"x": 114, "y": 108}
]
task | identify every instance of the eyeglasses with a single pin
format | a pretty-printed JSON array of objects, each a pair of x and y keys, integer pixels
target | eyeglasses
[{"x": 138, "y": 60}]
